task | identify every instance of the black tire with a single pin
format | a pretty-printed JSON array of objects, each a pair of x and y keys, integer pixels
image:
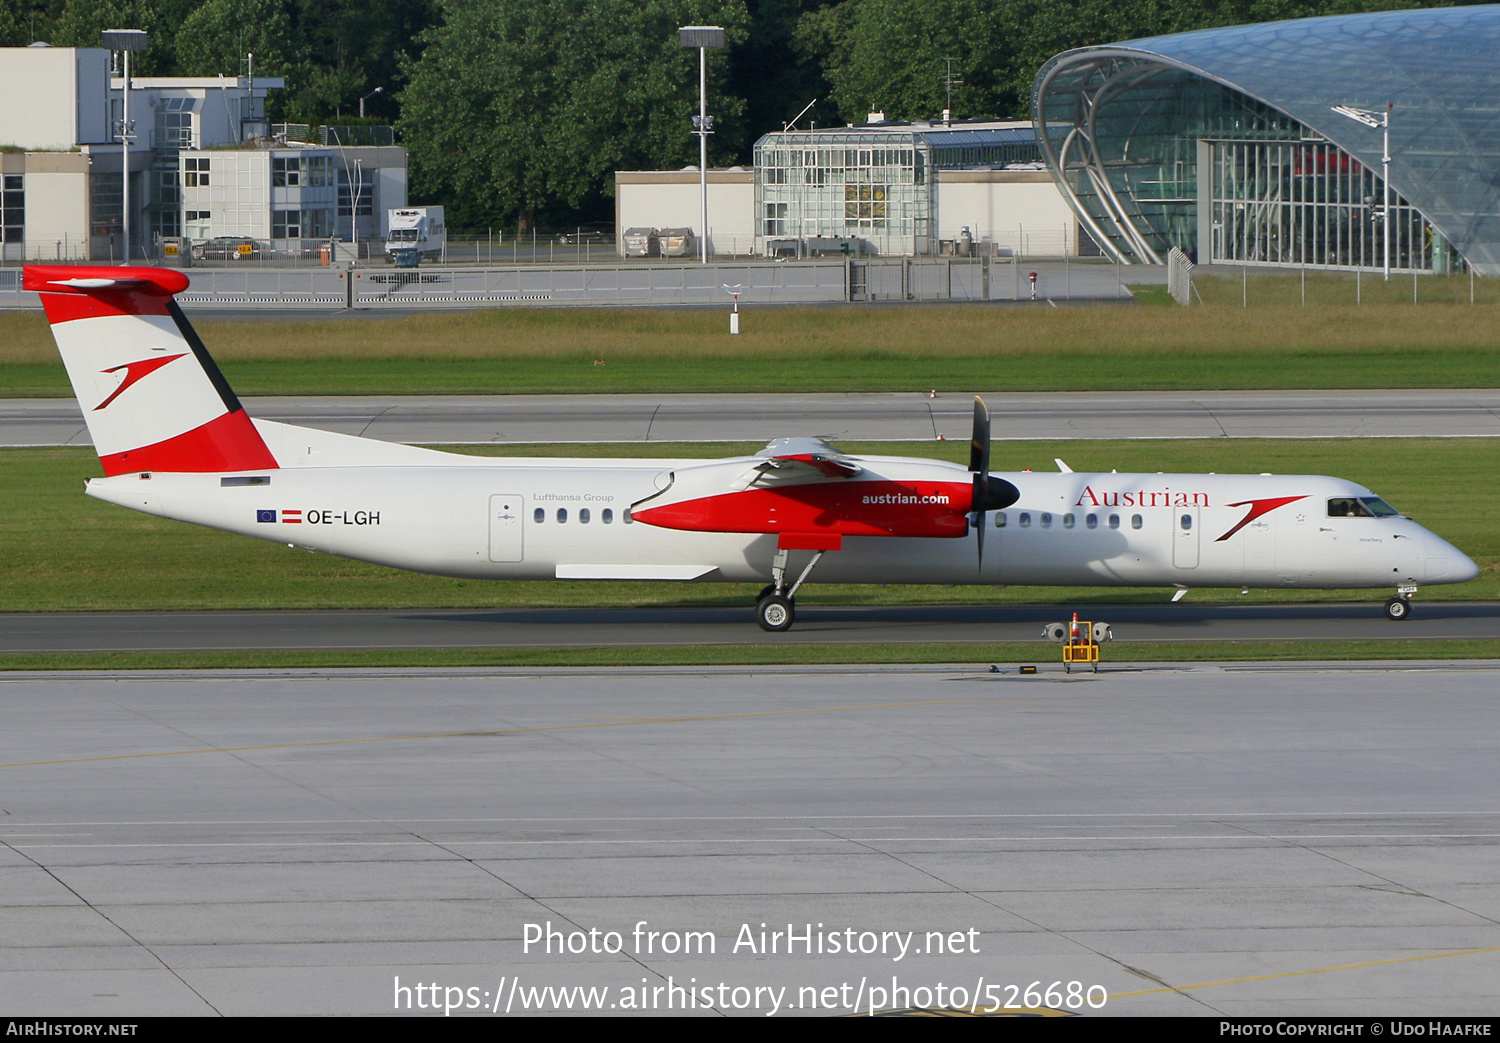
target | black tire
[
  {"x": 775, "y": 613},
  {"x": 765, "y": 592},
  {"x": 1397, "y": 610}
]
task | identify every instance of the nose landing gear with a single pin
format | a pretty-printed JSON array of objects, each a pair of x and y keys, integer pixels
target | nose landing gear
[{"x": 1399, "y": 607}]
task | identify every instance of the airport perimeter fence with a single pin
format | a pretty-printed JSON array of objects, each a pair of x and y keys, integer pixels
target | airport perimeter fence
[{"x": 791, "y": 282}]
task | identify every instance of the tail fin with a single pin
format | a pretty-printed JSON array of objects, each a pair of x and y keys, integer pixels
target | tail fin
[{"x": 152, "y": 397}]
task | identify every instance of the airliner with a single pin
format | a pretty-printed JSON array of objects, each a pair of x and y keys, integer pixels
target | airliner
[{"x": 175, "y": 442}]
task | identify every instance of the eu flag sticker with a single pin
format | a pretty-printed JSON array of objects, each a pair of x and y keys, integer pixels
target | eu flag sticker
[{"x": 265, "y": 516}]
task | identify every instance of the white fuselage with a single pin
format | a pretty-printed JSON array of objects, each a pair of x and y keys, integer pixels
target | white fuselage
[{"x": 544, "y": 519}]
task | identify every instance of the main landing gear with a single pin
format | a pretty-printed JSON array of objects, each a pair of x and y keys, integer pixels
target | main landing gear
[
  {"x": 775, "y": 607},
  {"x": 1399, "y": 607}
]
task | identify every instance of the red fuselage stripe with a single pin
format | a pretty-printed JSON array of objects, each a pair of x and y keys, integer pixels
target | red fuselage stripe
[{"x": 873, "y": 508}]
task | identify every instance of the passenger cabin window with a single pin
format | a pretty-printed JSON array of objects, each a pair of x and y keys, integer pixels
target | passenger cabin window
[
  {"x": 606, "y": 516},
  {"x": 1135, "y": 521},
  {"x": 562, "y": 515},
  {"x": 1114, "y": 521},
  {"x": 1093, "y": 519},
  {"x": 1025, "y": 520},
  {"x": 1067, "y": 521},
  {"x": 540, "y": 514},
  {"x": 583, "y": 512},
  {"x": 626, "y": 515},
  {"x": 1046, "y": 520},
  {"x": 1186, "y": 522},
  {"x": 1000, "y": 519}
]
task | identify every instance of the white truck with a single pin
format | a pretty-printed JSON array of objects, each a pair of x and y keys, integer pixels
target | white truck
[{"x": 418, "y": 228}]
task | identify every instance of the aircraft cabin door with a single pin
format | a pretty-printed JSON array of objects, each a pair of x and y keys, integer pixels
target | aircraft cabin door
[
  {"x": 507, "y": 513},
  {"x": 1185, "y": 538}
]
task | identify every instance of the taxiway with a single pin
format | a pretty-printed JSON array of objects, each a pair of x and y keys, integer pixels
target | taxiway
[
  {"x": 1208, "y": 840},
  {"x": 333, "y": 629},
  {"x": 460, "y": 419}
]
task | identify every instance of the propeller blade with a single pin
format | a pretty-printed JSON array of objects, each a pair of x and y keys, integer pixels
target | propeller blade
[
  {"x": 990, "y": 494},
  {"x": 979, "y": 463},
  {"x": 979, "y": 446}
]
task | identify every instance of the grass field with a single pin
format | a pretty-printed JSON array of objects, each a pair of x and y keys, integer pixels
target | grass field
[
  {"x": 1277, "y": 343},
  {"x": 61, "y": 550}
]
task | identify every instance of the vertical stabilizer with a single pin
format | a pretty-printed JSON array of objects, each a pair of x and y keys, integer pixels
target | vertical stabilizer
[{"x": 152, "y": 397}]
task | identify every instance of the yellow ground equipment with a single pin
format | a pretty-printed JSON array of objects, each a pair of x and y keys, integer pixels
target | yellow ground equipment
[{"x": 1080, "y": 640}]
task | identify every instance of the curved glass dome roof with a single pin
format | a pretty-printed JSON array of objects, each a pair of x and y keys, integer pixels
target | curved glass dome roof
[{"x": 1438, "y": 68}]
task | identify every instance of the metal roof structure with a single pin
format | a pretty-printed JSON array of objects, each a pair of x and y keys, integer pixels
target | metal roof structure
[{"x": 1436, "y": 68}]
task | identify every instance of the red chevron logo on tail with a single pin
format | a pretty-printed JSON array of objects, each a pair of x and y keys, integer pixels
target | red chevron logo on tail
[{"x": 134, "y": 371}]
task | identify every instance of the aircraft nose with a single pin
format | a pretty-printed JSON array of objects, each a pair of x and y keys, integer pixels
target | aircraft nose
[
  {"x": 1446, "y": 563},
  {"x": 1466, "y": 569}
]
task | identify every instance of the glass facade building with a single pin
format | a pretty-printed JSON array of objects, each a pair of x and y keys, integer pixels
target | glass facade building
[
  {"x": 873, "y": 183},
  {"x": 1226, "y": 142}
]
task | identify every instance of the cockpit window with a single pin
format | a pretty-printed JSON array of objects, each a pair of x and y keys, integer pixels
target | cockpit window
[{"x": 1360, "y": 507}]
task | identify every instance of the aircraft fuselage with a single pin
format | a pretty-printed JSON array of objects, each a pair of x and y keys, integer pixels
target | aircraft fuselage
[{"x": 542, "y": 519}]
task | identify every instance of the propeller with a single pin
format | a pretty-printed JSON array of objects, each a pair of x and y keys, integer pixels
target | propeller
[{"x": 990, "y": 493}]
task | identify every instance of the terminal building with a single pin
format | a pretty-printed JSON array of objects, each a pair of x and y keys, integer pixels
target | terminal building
[
  {"x": 1230, "y": 144},
  {"x": 203, "y": 162}
]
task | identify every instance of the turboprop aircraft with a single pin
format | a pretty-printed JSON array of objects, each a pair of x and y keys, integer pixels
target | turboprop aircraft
[{"x": 175, "y": 442}]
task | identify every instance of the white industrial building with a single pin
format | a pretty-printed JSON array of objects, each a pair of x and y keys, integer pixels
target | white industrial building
[
  {"x": 203, "y": 163},
  {"x": 880, "y": 188},
  {"x": 673, "y": 199}
]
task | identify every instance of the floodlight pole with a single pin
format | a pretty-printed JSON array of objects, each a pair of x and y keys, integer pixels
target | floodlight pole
[
  {"x": 1385, "y": 177},
  {"x": 377, "y": 90},
  {"x": 125, "y": 158},
  {"x": 1383, "y": 121},
  {"x": 125, "y": 41},
  {"x": 703, "y": 143},
  {"x": 702, "y": 37}
]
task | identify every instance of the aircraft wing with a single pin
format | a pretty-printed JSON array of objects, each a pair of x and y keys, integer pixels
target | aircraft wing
[
  {"x": 799, "y": 487},
  {"x": 788, "y": 459}
]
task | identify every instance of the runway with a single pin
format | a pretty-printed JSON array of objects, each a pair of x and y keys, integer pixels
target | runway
[
  {"x": 866, "y": 417},
  {"x": 1240, "y": 840},
  {"x": 53, "y": 632}
]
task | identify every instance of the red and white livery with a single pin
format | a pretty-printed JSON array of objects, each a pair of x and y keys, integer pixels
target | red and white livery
[{"x": 174, "y": 441}]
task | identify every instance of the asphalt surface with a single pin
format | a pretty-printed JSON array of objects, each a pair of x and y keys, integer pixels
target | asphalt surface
[
  {"x": 53, "y": 632},
  {"x": 867, "y": 417},
  {"x": 1195, "y": 841}
]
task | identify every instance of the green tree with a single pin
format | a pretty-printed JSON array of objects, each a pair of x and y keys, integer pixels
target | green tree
[
  {"x": 775, "y": 75},
  {"x": 525, "y": 107},
  {"x": 350, "y": 47},
  {"x": 890, "y": 53},
  {"x": 81, "y": 21},
  {"x": 23, "y": 22},
  {"x": 215, "y": 38},
  {"x": 893, "y": 55}
]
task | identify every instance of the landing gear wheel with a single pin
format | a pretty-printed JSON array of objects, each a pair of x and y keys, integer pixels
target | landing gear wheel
[
  {"x": 1397, "y": 609},
  {"x": 765, "y": 592},
  {"x": 775, "y": 613}
]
